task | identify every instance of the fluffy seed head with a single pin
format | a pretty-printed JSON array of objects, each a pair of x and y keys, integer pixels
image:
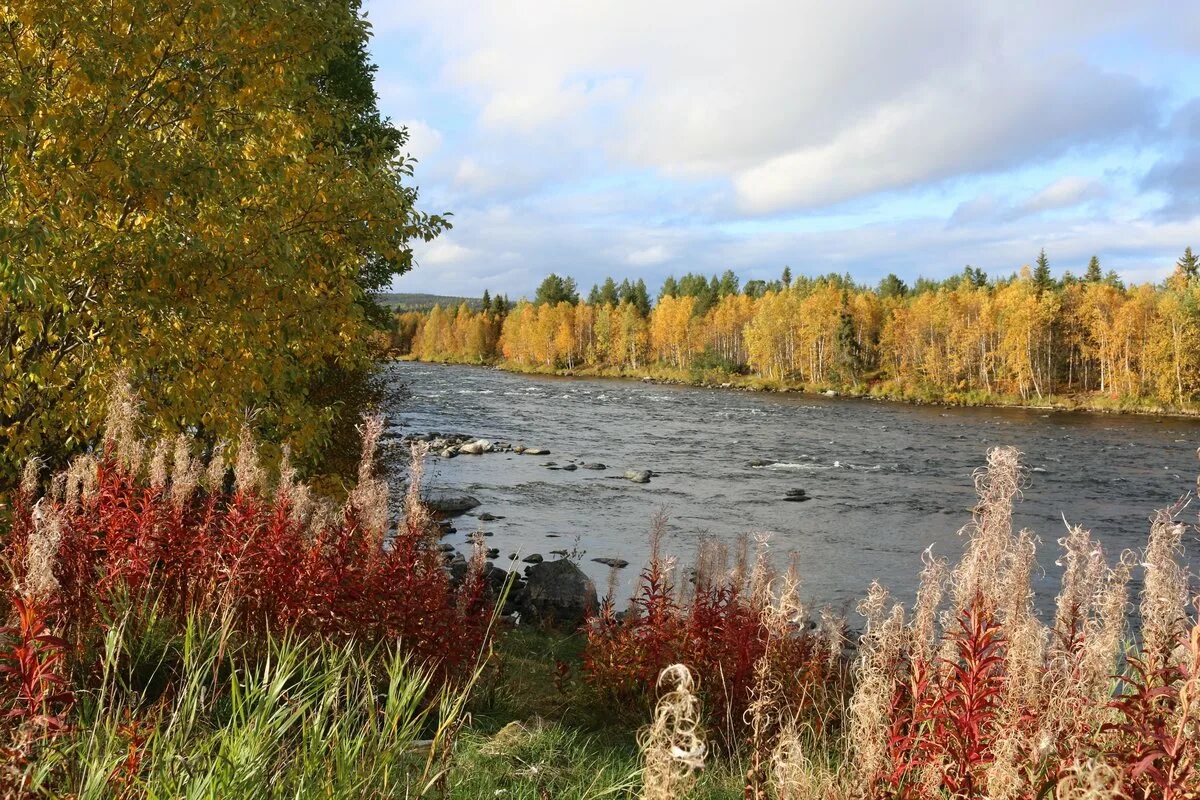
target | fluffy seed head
[{"x": 672, "y": 745}]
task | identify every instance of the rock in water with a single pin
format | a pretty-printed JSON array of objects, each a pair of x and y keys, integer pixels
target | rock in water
[
  {"x": 533, "y": 558},
  {"x": 448, "y": 501},
  {"x": 559, "y": 593},
  {"x": 594, "y": 465},
  {"x": 536, "y": 451},
  {"x": 615, "y": 563},
  {"x": 638, "y": 475},
  {"x": 477, "y": 447}
]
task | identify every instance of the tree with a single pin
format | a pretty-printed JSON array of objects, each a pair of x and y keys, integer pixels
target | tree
[
  {"x": 755, "y": 288},
  {"x": 728, "y": 285},
  {"x": 608, "y": 294},
  {"x": 1093, "y": 274},
  {"x": 786, "y": 277},
  {"x": 848, "y": 350},
  {"x": 637, "y": 296},
  {"x": 891, "y": 286},
  {"x": 190, "y": 195},
  {"x": 1189, "y": 263},
  {"x": 486, "y": 303},
  {"x": 1042, "y": 279},
  {"x": 975, "y": 277},
  {"x": 670, "y": 288},
  {"x": 554, "y": 290}
]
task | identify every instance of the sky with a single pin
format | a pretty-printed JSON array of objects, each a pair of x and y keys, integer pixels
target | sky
[{"x": 642, "y": 139}]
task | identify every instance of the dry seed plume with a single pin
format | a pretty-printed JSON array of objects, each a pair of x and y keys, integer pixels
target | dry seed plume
[
  {"x": 1165, "y": 592},
  {"x": 672, "y": 745},
  {"x": 370, "y": 495}
]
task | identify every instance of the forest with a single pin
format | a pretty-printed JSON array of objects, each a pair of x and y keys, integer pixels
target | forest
[{"x": 1028, "y": 338}]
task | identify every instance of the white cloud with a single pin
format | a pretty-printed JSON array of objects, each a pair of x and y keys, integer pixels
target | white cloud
[
  {"x": 1064, "y": 193},
  {"x": 423, "y": 140},
  {"x": 648, "y": 256},
  {"x": 442, "y": 251}
]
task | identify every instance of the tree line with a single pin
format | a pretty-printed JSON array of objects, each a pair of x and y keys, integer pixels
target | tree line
[{"x": 1028, "y": 336}]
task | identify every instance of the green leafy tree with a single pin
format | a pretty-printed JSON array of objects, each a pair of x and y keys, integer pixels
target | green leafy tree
[{"x": 201, "y": 196}]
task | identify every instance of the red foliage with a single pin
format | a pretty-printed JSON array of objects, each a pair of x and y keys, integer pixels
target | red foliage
[
  {"x": 1156, "y": 743},
  {"x": 946, "y": 718},
  {"x": 31, "y": 661},
  {"x": 246, "y": 552},
  {"x": 720, "y": 635}
]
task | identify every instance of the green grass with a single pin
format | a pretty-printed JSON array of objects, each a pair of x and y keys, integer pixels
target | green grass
[
  {"x": 280, "y": 717},
  {"x": 538, "y": 732}
]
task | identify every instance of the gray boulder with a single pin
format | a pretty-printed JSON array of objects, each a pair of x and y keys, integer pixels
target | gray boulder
[
  {"x": 558, "y": 593},
  {"x": 638, "y": 475},
  {"x": 448, "y": 501},
  {"x": 536, "y": 451}
]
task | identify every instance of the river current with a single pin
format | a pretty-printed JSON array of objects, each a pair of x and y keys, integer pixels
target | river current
[{"x": 886, "y": 480}]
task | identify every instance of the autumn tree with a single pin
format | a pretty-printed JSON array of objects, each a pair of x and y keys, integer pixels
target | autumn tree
[{"x": 187, "y": 198}]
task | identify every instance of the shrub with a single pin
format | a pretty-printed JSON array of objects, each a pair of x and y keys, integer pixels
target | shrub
[
  {"x": 742, "y": 629},
  {"x": 141, "y": 524}
]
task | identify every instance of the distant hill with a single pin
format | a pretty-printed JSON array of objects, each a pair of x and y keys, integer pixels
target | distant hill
[{"x": 424, "y": 302}]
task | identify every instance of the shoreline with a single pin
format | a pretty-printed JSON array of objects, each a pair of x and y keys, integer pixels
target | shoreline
[{"x": 742, "y": 383}]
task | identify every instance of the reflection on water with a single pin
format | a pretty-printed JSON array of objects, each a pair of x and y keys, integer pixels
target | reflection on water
[{"x": 885, "y": 480}]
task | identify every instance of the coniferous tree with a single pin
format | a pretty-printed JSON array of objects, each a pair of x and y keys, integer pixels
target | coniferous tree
[
  {"x": 729, "y": 284},
  {"x": 849, "y": 352},
  {"x": 892, "y": 286},
  {"x": 670, "y": 288},
  {"x": 608, "y": 295},
  {"x": 786, "y": 278},
  {"x": 1189, "y": 263},
  {"x": 639, "y": 296},
  {"x": 1093, "y": 274},
  {"x": 1041, "y": 273},
  {"x": 755, "y": 288},
  {"x": 486, "y": 302},
  {"x": 554, "y": 290}
]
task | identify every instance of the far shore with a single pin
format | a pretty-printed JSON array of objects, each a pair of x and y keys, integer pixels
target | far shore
[{"x": 752, "y": 383}]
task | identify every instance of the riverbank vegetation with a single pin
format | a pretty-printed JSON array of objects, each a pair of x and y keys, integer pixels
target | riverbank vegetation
[
  {"x": 1028, "y": 339},
  {"x": 202, "y": 197},
  {"x": 180, "y": 627}
]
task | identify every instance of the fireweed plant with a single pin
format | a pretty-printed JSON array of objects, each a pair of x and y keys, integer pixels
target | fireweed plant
[{"x": 154, "y": 527}]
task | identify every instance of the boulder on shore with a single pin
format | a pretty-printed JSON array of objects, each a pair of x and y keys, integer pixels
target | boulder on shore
[{"x": 558, "y": 593}]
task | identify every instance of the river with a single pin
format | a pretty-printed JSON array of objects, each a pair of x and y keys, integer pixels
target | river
[{"x": 886, "y": 480}]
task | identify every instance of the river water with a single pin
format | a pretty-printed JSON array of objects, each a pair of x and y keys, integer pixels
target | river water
[{"x": 886, "y": 480}]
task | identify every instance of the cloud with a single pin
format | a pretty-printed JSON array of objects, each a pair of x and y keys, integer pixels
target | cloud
[
  {"x": 647, "y": 256},
  {"x": 1064, "y": 193},
  {"x": 632, "y": 138},
  {"x": 444, "y": 251},
  {"x": 423, "y": 140}
]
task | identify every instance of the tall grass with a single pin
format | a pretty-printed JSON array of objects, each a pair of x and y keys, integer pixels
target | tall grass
[{"x": 284, "y": 717}]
